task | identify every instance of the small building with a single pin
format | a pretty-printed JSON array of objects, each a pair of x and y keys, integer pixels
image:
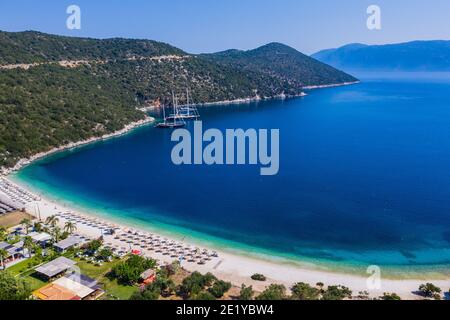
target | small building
[
  {"x": 148, "y": 276},
  {"x": 83, "y": 286},
  {"x": 55, "y": 268},
  {"x": 40, "y": 238},
  {"x": 55, "y": 292},
  {"x": 15, "y": 251},
  {"x": 70, "y": 287},
  {"x": 70, "y": 242}
]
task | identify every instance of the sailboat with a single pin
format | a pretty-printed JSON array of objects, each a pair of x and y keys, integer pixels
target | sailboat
[
  {"x": 173, "y": 121},
  {"x": 189, "y": 111}
]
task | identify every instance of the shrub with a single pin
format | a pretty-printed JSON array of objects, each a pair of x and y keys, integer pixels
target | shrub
[
  {"x": 303, "y": 291},
  {"x": 129, "y": 271},
  {"x": 273, "y": 292},
  {"x": 337, "y": 293},
  {"x": 390, "y": 296},
  {"x": 219, "y": 288},
  {"x": 429, "y": 290},
  {"x": 259, "y": 277},
  {"x": 195, "y": 283},
  {"x": 246, "y": 293}
]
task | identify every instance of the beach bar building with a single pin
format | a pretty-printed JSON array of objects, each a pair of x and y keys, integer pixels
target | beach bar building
[
  {"x": 40, "y": 238},
  {"x": 55, "y": 268},
  {"x": 70, "y": 287},
  {"x": 70, "y": 242},
  {"x": 52, "y": 292},
  {"x": 14, "y": 252}
]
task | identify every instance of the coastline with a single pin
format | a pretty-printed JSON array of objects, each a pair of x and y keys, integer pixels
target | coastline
[
  {"x": 259, "y": 98},
  {"x": 331, "y": 85},
  {"x": 250, "y": 100},
  {"x": 26, "y": 161},
  {"x": 237, "y": 268}
]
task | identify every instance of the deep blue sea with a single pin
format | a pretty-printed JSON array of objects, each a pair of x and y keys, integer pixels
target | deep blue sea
[{"x": 364, "y": 178}]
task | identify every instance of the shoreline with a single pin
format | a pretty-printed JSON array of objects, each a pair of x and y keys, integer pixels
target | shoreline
[
  {"x": 234, "y": 267},
  {"x": 331, "y": 85},
  {"x": 27, "y": 161},
  {"x": 237, "y": 267}
]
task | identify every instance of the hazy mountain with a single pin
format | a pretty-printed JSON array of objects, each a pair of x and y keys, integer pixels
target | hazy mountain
[{"x": 410, "y": 56}]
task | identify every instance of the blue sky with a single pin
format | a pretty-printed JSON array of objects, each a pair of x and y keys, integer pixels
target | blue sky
[{"x": 214, "y": 25}]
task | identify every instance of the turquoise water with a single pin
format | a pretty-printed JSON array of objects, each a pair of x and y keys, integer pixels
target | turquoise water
[{"x": 364, "y": 179}]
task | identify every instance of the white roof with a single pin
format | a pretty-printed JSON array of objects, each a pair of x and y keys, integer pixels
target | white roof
[
  {"x": 55, "y": 267},
  {"x": 39, "y": 237},
  {"x": 69, "y": 242},
  {"x": 79, "y": 289}
]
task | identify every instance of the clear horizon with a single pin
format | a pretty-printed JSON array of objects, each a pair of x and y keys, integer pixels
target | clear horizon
[{"x": 200, "y": 26}]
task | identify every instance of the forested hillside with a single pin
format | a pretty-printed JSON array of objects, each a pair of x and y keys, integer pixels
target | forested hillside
[{"x": 47, "y": 101}]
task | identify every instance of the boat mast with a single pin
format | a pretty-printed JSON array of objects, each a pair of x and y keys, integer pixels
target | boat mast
[{"x": 187, "y": 102}]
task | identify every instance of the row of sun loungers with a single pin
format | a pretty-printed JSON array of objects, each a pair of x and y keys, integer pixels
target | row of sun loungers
[
  {"x": 147, "y": 242},
  {"x": 14, "y": 196},
  {"x": 8, "y": 205}
]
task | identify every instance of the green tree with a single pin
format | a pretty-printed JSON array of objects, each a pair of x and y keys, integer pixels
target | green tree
[
  {"x": 195, "y": 283},
  {"x": 258, "y": 277},
  {"x": 12, "y": 288},
  {"x": 146, "y": 294},
  {"x": 303, "y": 291},
  {"x": 56, "y": 234},
  {"x": 52, "y": 221},
  {"x": 273, "y": 292},
  {"x": 204, "y": 296},
  {"x": 28, "y": 244},
  {"x": 390, "y": 296},
  {"x": 37, "y": 250},
  {"x": 27, "y": 224},
  {"x": 246, "y": 293},
  {"x": 38, "y": 226},
  {"x": 337, "y": 293},
  {"x": 429, "y": 290},
  {"x": 94, "y": 245},
  {"x": 3, "y": 234},
  {"x": 104, "y": 254},
  {"x": 219, "y": 288},
  {"x": 173, "y": 268},
  {"x": 3, "y": 255},
  {"x": 129, "y": 271},
  {"x": 70, "y": 227},
  {"x": 162, "y": 286}
]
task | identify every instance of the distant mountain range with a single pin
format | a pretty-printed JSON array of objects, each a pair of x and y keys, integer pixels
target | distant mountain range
[
  {"x": 410, "y": 56},
  {"x": 55, "y": 90}
]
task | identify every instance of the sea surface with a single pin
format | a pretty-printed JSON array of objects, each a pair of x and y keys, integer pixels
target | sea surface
[{"x": 364, "y": 179}]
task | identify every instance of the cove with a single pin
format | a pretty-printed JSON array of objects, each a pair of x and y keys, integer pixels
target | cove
[{"x": 364, "y": 179}]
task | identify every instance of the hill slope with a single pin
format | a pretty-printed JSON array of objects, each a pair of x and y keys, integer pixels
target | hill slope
[
  {"x": 410, "y": 56},
  {"x": 282, "y": 62},
  {"x": 55, "y": 90},
  {"x": 34, "y": 47}
]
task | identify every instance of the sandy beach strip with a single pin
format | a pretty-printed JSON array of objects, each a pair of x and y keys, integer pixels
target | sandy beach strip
[{"x": 228, "y": 266}]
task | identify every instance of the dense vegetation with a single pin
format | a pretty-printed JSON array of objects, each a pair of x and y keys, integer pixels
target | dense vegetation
[
  {"x": 13, "y": 288},
  {"x": 36, "y": 47},
  {"x": 49, "y": 105},
  {"x": 284, "y": 63},
  {"x": 128, "y": 272}
]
